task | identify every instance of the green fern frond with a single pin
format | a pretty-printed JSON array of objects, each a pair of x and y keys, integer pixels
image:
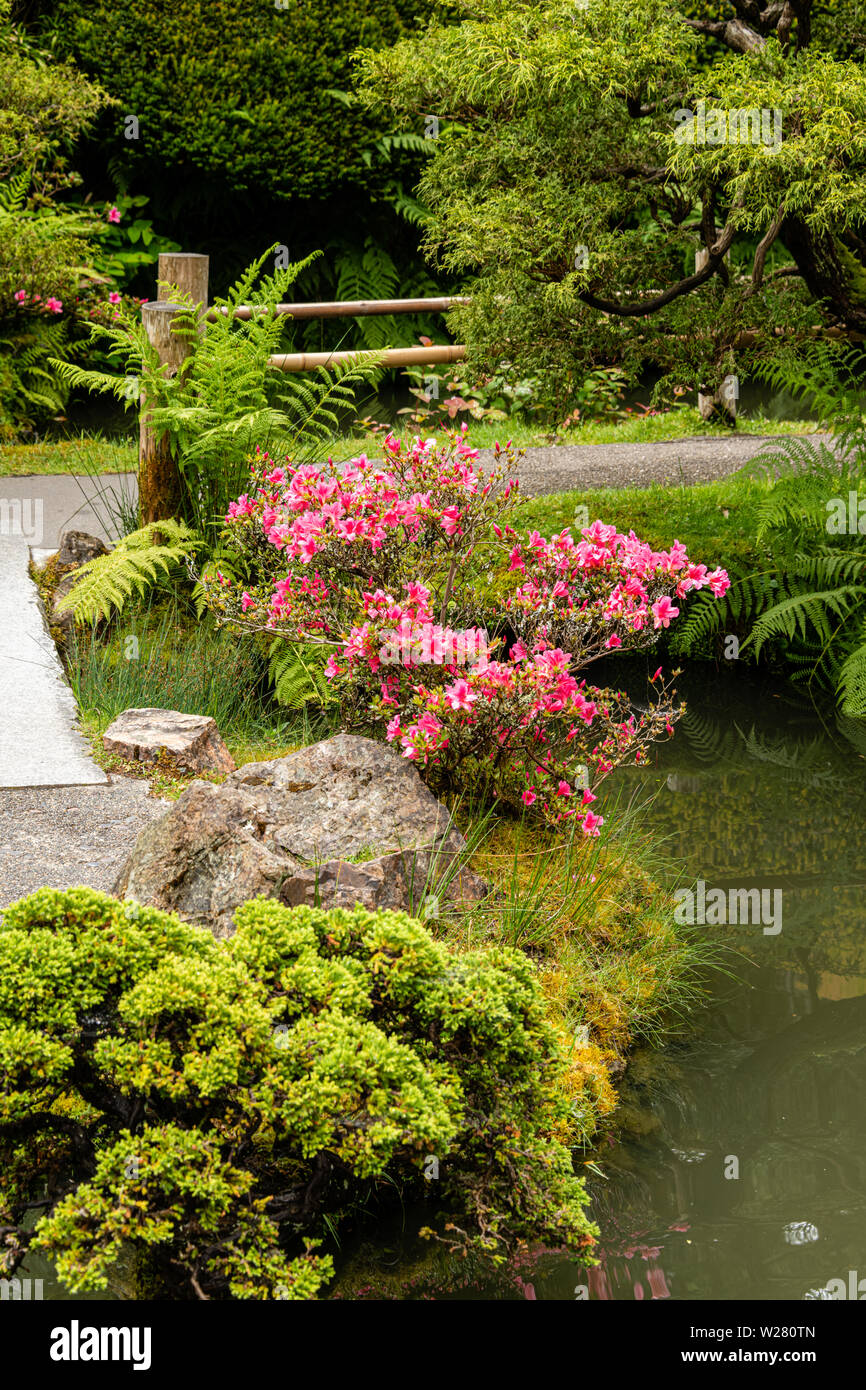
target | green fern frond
[
  {"x": 797, "y": 613},
  {"x": 298, "y": 675},
  {"x": 134, "y": 566},
  {"x": 707, "y": 616},
  {"x": 13, "y": 193},
  {"x": 852, "y": 678}
]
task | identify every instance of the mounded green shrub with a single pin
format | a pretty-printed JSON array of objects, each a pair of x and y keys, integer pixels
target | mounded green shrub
[{"x": 217, "y": 1105}]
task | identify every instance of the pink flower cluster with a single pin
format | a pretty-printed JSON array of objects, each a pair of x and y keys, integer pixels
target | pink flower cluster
[
  {"x": 377, "y": 560},
  {"x": 52, "y": 304},
  {"x": 315, "y": 508},
  {"x": 605, "y": 578}
]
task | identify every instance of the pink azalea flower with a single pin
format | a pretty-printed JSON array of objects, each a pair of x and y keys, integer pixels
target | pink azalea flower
[
  {"x": 114, "y": 214},
  {"x": 114, "y": 297},
  {"x": 563, "y": 789},
  {"x": 592, "y": 823},
  {"x": 460, "y": 696},
  {"x": 528, "y": 797},
  {"x": 613, "y": 641},
  {"x": 54, "y": 306},
  {"x": 247, "y": 601},
  {"x": 20, "y": 296},
  {"x": 663, "y": 611}
]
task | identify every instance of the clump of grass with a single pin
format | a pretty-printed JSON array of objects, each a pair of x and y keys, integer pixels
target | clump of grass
[
  {"x": 85, "y": 455},
  {"x": 598, "y": 917},
  {"x": 161, "y": 656}
]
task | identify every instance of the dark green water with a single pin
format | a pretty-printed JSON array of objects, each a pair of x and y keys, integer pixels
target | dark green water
[{"x": 738, "y": 1170}]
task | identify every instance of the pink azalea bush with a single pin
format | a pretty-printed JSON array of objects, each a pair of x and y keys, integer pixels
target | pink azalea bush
[{"x": 447, "y": 633}]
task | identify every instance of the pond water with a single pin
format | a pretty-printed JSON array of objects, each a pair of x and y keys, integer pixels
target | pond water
[
  {"x": 740, "y": 1168},
  {"x": 737, "y": 1168}
]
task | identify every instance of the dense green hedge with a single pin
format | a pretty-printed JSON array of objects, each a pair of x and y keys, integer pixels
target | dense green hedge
[{"x": 234, "y": 88}]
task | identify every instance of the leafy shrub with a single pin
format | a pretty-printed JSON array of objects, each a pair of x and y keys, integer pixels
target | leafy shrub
[
  {"x": 217, "y": 1105},
  {"x": 396, "y": 567},
  {"x": 44, "y": 247}
]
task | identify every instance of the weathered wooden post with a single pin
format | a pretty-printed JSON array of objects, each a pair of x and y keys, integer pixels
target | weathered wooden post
[
  {"x": 159, "y": 490},
  {"x": 186, "y": 270},
  {"x": 159, "y": 486}
]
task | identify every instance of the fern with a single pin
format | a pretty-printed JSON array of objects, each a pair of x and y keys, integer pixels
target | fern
[
  {"x": 229, "y": 399},
  {"x": 134, "y": 566},
  {"x": 810, "y": 598},
  {"x": 298, "y": 675},
  {"x": 852, "y": 678},
  {"x": 826, "y": 375},
  {"x": 708, "y": 617}
]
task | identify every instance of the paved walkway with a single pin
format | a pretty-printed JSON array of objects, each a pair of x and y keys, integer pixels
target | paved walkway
[
  {"x": 40, "y": 742},
  {"x": 40, "y": 507}
]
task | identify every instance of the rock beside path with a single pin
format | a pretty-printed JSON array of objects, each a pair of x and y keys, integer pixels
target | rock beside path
[
  {"x": 191, "y": 742},
  {"x": 346, "y": 822},
  {"x": 78, "y": 548}
]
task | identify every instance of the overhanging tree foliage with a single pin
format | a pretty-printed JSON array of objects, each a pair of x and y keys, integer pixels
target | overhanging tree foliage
[{"x": 600, "y": 174}]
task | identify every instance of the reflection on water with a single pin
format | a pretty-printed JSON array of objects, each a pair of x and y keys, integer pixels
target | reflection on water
[{"x": 741, "y": 1168}]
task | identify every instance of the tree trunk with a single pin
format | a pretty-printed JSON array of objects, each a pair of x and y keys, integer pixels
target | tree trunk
[{"x": 830, "y": 271}]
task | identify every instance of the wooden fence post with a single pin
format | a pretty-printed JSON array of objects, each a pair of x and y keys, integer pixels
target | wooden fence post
[
  {"x": 188, "y": 271},
  {"x": 159, "y": 490},
  {"x": 159, "y": 486}
]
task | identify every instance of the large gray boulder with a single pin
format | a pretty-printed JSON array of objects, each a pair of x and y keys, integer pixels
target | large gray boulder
[{"x": 346, "y": 822}]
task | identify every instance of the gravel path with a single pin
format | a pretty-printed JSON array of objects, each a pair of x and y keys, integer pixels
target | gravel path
[
  {"x": 701, "y": 459},
  {"x": 67, "y": 836}
]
